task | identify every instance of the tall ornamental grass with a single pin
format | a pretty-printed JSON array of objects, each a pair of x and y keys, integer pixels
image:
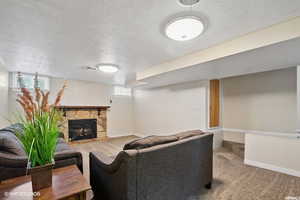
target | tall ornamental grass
[
  {"x": 39, "y": 137},
  {"x": 40, "y": 122}
]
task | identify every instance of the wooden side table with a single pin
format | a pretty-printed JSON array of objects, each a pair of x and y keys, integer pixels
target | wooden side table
[{"x": 67, "y": 183}]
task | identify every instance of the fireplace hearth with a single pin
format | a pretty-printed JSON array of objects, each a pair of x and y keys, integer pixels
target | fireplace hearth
[{"x": 80, "y": 129}]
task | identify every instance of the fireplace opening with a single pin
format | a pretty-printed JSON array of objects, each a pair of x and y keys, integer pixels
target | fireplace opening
[{"x": 82, "y": 129}]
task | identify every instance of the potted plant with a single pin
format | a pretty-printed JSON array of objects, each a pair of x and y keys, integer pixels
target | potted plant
[{"x": 40, "y": 133}]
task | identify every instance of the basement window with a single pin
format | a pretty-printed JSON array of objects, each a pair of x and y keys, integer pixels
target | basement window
[
  {"x": 44, "y": 82},
  {"x": 122, "y": 91}
]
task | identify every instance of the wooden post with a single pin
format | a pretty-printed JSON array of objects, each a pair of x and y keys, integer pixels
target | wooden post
[{"x": 214, "y": 103}]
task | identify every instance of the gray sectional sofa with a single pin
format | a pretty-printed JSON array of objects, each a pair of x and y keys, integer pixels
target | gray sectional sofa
[
  {"x": 155, "y": 168},
  {"x": 13, "y": 159}
]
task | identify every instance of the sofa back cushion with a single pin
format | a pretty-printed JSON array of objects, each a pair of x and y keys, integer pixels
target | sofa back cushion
[
  {"x": 187, "y": 134},
  {"x": 10, "y": 143},
  {"x": 149, "y": 142}
]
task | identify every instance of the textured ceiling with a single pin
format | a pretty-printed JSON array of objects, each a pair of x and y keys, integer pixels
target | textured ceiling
[{"x": 58, "y": 37}]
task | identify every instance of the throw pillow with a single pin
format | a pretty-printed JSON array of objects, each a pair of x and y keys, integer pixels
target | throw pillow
[
  {"x": 187, "y": 134},
  {"x": 149, "y": 142},
  {"x": 11, "y": 144}
]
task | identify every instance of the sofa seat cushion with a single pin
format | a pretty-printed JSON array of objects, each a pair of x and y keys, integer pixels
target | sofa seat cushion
[
  {"x": 187, "y": 134},
  {"x": 11, "y": 144},
  {"x": 60, "y": 140},
  {"x": 149, "y": 142},
  {"x": 62, "y": 146}
]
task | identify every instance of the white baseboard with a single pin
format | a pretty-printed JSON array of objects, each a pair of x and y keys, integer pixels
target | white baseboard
[
  {"x": 291, "y": 172},
  {"x": 267, "y": 133},
  {"x": 117, "y": 135}
]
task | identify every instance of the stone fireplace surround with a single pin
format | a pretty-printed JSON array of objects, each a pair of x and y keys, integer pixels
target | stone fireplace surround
[{"x": 85, "y": 112}]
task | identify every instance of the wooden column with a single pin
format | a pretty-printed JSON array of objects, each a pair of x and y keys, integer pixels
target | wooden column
[{"x": 214, "y": 103}]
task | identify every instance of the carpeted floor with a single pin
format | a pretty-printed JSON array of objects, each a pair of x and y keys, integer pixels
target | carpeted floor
[{"x": 232, "y": 179}]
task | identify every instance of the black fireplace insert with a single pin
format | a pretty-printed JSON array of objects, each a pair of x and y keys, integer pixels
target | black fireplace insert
[{"x": 82, "y": 129}]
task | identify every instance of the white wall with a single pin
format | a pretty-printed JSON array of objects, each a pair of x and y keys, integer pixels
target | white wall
[
  {"x": 157, "y": 111},
  {"x": 260, "y": 110},
  {"x": 81, "y": 92},
  {"x": 3, "y": 96},
  {"x": 120, "y": 117},
  {"x": 273, "y": 152},
  {"x": 171, "y": 109},
  {"x": 264, "y": 101},
  {"x": 238, "y": 137},
  {"x": 218, "y": 138}
]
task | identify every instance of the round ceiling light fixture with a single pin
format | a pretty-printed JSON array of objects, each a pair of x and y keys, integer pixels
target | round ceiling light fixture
[
  {"x": 108, "y": 68},
  {"x": 184, "y": 28},
  {"x": 188, "y": 2}
]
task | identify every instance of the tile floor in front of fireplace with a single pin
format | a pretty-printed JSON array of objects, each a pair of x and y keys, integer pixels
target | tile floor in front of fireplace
[{"x": 232, "y": 179}]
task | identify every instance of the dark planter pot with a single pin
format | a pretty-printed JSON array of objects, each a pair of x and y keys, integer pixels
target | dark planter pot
[{"x": 41, "y": 177}]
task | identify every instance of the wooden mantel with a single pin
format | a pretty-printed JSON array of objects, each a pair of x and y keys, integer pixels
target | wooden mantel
[{"x": 67, "y": 108}]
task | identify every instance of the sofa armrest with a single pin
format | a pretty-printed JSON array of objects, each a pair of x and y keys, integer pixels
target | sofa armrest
[
  {"x": 63, "y": 158},
  {"x": 108, "y": 164},
  {"x": 61, "y": 155},
  {"x": 113, "y": 178},
  {"x": 12, "y": 161},
  {"x": 12, "y": 165}
]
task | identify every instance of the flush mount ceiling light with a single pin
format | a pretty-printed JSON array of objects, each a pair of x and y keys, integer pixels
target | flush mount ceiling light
[
  {"x": 188, "y": 2},
  {"x": 108, "y": 68},
  {"x": 184, "y": 28}
]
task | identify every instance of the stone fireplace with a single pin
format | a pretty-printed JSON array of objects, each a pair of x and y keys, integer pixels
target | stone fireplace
[{"x": 84, "y": 122}]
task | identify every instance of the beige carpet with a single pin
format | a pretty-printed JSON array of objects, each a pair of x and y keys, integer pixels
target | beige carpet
[{"x": 232, "y": 179}]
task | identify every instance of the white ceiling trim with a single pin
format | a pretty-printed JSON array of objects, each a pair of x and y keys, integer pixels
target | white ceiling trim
[{"x": 271, "y": 35}]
